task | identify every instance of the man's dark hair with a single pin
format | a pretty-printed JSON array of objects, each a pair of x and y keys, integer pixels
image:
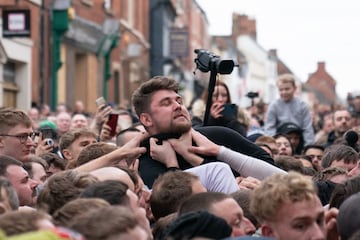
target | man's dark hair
[
  {"x": 169, "y": 191},
  {"x": 55, "y": 160},
  {"x": 316, "y": 146},
  {"x": 338, "y": 152},
  {"x": 141, "y": 97},
  {"x": 5, "y": 162},
  {"x": 9, "y": 190},
  {"x": 344, "y": 190},
  {"x": 201, "y": 201},
  {"x": 113, "y": 191}
]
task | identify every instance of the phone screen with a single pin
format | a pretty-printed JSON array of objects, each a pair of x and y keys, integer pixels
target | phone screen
[
  {"x": 230, "y": 111},
  {"x": 112, "y": 122},
  {"x": 47, "y": 133}
]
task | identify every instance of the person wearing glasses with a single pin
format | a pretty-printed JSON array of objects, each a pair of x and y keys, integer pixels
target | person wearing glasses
[{"x": 16, "y": 134}]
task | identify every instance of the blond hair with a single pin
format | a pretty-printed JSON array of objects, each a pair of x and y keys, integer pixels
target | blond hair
[
  {"x": 277, "y": 190},
  {"x": 286, "y": 78}
]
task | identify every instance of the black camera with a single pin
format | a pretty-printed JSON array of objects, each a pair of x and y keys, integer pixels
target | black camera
[
  {"x": 252, "y": 95},
  {"x": 207, "y": 61}
]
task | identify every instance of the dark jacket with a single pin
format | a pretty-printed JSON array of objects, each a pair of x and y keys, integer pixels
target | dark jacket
[{"x": 150, "y": 169}]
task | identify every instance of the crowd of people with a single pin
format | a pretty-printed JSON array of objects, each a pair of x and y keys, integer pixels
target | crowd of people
[{"x": 282, "y": 171}]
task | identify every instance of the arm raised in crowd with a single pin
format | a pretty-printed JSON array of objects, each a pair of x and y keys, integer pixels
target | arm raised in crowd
[
  {"x": 243, "y": 164},
  {"x": 125, "y": 154}
]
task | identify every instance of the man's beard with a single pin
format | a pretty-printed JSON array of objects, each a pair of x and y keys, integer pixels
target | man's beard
[{"x": 178, "y": 128}]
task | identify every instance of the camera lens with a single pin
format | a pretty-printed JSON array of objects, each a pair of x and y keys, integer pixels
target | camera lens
[{"x": 49, "y": 141}]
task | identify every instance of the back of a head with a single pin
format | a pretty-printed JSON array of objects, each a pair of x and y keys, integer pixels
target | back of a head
[
  {"x": 348, "y": 219},
  {"x": 93, "y": 151},
  {"x": 289, "y": 163},
  {"x": 63, "y": 187},
  {"x": 344, "y": 191},
  {"x": 17, "y": 222},
  {"x": 66, "y": 213},
  {"x": 199, "y": 224},
  {"x": 169, "y": 191},
  {"x": 278, "y": 189},
  {"x": 55, "y": 160},
  {"x": 8, "y": 197},
  {"x": 114, "y": 173},
  {"x": 201, "y": 202},
  {"x": 113, "y": 191},
  {"x": 338, "y": 152},
  {"x": 105, "y": 223}
]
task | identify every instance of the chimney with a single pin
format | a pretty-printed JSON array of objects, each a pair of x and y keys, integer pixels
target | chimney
[
  {"x": 321, "y": 66},
  {"x": 242, "y": 25}
]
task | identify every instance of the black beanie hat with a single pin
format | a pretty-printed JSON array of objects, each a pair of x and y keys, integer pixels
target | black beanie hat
[{"x": 197, "y": 224}]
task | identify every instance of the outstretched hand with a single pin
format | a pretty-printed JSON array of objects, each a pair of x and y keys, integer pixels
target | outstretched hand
[
  {"x": 163, "y": 153},
  {"x": 182, "y": 146},
  {"x": 204, "y": 145}
]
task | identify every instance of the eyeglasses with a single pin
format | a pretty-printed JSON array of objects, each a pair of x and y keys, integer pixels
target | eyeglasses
[{"x": 22, "y": 137}]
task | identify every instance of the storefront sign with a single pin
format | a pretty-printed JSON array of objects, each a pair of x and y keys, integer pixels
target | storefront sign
[{"x": 16, "y": 23}]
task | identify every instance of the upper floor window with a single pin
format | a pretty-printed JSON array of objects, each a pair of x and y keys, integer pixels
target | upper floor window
[
  {"x": 107, "y": 4},
  {"x": 9, "y": 71}
]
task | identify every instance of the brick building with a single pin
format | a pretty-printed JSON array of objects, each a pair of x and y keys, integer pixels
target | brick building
[{"x": 323, "y": 85}]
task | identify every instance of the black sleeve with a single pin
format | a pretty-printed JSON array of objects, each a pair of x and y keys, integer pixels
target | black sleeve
[
  {"x": 150, "y": 169},
  {"x": 229, "y": 138}
]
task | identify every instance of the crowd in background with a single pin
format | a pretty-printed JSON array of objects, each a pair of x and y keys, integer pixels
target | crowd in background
[{"x": 282, "y": 170}]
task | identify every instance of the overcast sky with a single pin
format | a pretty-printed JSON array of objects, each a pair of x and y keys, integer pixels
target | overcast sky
[{"x": 303, "y": 32}]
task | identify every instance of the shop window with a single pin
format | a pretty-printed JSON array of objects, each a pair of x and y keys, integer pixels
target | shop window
[{"x": 10, "y": 88}]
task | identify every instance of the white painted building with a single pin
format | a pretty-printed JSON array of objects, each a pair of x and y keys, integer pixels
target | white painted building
[
  {"x": 260, "y": 69},
  {"x": 15, "y": 71}
]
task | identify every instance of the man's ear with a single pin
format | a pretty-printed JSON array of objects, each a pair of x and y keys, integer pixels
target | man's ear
[
  {"x": 267, "y": 231},
  {"x": 67, "y": 154},
  {"x": 2, "y": 208},
  {"x": 1, "y": 142},
  {"x": 146, "y": 119}
]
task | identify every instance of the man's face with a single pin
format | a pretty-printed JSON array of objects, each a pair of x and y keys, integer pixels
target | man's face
[
  {"x": 167, "y": 114},
  {"x": 79, "y": 121},
  {"x": 298, "y": 220},
  {"x": 231, "y": 212},
  {"x": 342, "y": 121},
  {"x": 315, "y": 155},
  {"x": 24, "y": 186},
  {"x": 38, "y": 172},
  {"x": 78, "y": 145},
  {"x": 63, "y": 122},
  {"x": 284, "y": 146},
  {"x": 12, "y": 146},
  {"x": 286, "y": 91},
  {"x": 294, "y": 139},
  {"x": 356, "y": 103}
]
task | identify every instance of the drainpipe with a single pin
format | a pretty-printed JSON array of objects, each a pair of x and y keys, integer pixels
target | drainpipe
[{"x": 60, "y": 25}]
